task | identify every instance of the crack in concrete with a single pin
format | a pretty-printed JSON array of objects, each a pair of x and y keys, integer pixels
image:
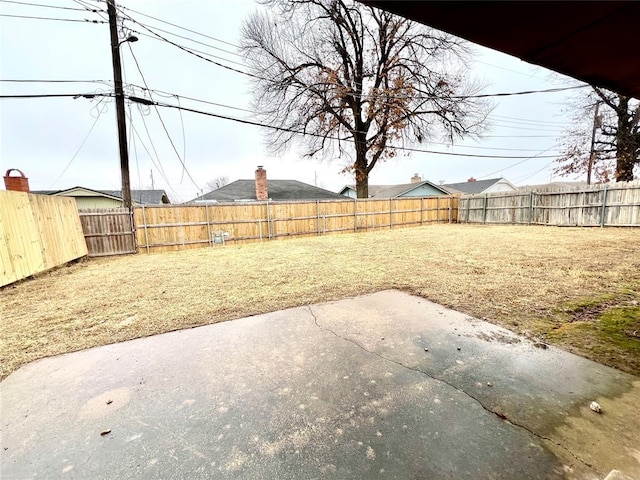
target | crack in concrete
[{"x": 442, "y": 380}]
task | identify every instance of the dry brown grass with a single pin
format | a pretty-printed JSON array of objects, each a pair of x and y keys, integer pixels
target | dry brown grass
[{"x": 518, "y": 277}]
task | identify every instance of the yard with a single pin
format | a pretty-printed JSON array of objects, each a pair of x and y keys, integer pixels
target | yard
[{"x": 577, "y": 288}]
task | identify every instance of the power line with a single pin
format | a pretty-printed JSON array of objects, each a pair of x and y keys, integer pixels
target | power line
[
  {"x": 78, "y": 150},
  {"x": 528, "y": 129},
  {"x": 453, "y": 97},
  {"x": 166, "y": 131},
  {"x": 518, "y": 163},
  {"x": 194, "y": 41},
  {"x": 42, "y": 5},
  {"x": 157, "y": 165},
  {"x": 534, "y": 173},
  {"x": 178, "y": 26},
  {"x": 91, "y": 8},
  {"x": 528, "y": 120},
  {"x": 58, "y": 95},
  {"x": 191, "y": 52},
  {"x": 284, "y": 129},
  {"x": 190, "y": 49},
  {"x": 53, "y": 81},
  {"x": 86, "y": 20}
]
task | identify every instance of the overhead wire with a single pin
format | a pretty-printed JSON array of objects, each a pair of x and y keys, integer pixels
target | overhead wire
[
  {"x": 106, "y": 82},
  {"x": 86, "y": 20},
  {"x": 78, "y": 149},
  {"x": 180, "y": 27},
  {"x": 42, "y": 5},
  {"x": 182, "y": 161},
  {"x": 254, "y": 123},
  {"x": 527, "y": 120},
  {"x": 196, "y": 41},
  {"x": 455, "y": 97},
  {"x": 157, "y": 164},
  {"x": 190, "y": 49},
  {"x": 518, "y": 163},
  {"x": 522, "y": 179},
  {"x": 58, "y": 95},
  {"x": 132, "y": 142},
  {"x": 191, "y": 52}
]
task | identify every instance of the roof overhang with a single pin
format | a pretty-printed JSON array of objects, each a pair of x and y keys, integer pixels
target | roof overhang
[{"x": 596, "y": 42}]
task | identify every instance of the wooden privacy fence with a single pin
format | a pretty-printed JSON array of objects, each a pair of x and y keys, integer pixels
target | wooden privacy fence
[
  {"x": 38, "y": 232},
  {"x": 175, "y": 227},
  {"x": 600, "y": 205},
  {"x": 108, "y": 231}
]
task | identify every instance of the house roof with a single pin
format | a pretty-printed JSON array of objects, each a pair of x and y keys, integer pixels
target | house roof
[
  {"x": 145, "y": 197},
  {"x": 477, "y": 186},
  {"x": 278, "y": 190},
  {"x": 559, "y": 185},
  {"x": 565, "y": 36},
  {"x": 393, "y": 191}
]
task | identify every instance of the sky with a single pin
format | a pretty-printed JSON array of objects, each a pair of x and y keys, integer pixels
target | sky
[{"x": 64, "y": 142}]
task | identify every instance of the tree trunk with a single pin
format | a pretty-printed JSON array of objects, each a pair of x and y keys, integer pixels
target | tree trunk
[
  {"x": 362, "y": 175},
  {"x": 362, "y": 188},
  {"x": 625, "y": 158}
]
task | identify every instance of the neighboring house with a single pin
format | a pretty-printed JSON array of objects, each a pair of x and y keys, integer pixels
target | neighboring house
[
  {"x": 555, "y": 186},
  {"x": 87, "y": 198},
  {"x": 417, "y": 188},
  {"x": 474, "y": 187},
  {"x": 262, "y": 189}
]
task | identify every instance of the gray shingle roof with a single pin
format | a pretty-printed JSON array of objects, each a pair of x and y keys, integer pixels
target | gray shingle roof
[
  {"x": 146, "y": 197},
  {"x": 392, "y": 191},
  {"x": 478, "y": 186},
  {"x": 278, "y": 190}
]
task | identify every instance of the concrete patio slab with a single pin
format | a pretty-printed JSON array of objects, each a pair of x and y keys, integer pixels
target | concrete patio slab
[{"x": 380, "y": 386}]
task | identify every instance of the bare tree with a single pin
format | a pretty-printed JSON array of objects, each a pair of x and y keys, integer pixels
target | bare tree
[
  {"x": 606, "y": 145},
  {"x": 338, "y": 74},
  {"x": 217, "y": 182}
]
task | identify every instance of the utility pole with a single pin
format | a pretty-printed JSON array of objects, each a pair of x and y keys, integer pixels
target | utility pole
[
  {"x": 592, "y": 154},
  {"x": 153, "y": 187},
  {"x": 120, "y": 114}
]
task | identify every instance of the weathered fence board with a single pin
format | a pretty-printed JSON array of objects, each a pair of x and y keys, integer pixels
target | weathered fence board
[
  {"x": 39, "y": 232},
  {"x": 593, "y": 206},
  {"x": 108, "y": 231},
  {"x": 177, "y": 227}
]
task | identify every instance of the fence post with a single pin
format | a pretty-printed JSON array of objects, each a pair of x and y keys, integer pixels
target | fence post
[
  {"x": 146, "y": 233},
  {"x": 355, "y": 214},
  {"x": 268, "y": 221},
  {"x": 421, "y": 210},
  {"x": 530, "y": 207},
  {"x": 484, "y": 210},
  {"x": 468, "y": 207},
  {"x": 437, "y": 209},
  {"x": 390, "y": 214},
  {"x": 206, "y": 209},
  {"x": 318, "y": 216},
  {"x": 451, "y": 209},
  {"x": 604, "y": 206}
]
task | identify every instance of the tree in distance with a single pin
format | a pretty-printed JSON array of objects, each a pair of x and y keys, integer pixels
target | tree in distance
[
  {"x": 606, "y": 145},
  {"x": 336, "y": 74},
  {"x": 217, "y": 182}
]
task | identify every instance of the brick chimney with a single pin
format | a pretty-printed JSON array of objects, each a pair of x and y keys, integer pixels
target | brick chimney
[
  {"x": 262, "y": 193},
  {"x": 471, "y": 179},
  {"x": 416, "y": 178},
  {"x": 16, "y": 183}
]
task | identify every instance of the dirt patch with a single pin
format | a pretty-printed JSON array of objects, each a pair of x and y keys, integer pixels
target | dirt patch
[
  {"x": 518, "y": 277},
  {"x": 498, "y": 337}
]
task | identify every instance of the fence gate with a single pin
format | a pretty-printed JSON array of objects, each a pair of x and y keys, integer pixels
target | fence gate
[{"x": 108, "y": 231}]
